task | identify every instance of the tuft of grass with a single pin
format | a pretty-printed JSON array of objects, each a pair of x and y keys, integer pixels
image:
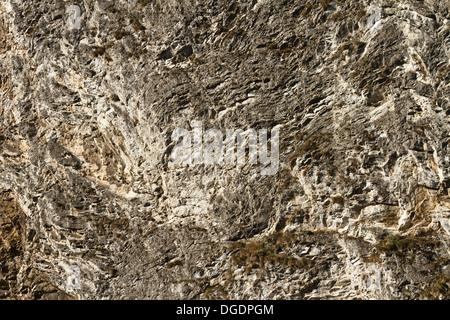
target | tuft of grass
[
  {"x": 399, "y": 243},
  {"x": 307, "y": 10},
  {"x": 215, "y": 292},
  {"x": 314, "y": 142},
  {"x": 439, "y": 289},
  {"x": 269, "y": 250},
  {"x": 99, "y": 51},
  {"x": 120, "y": 34},
  {"x": 113, "y": 10},
  {"x": 401, "y": 246},
  {"x": 311, "y": 145},
  {"x": 108, "y": 226},
  {"x": 143, "y": 3},
  {"x": 325, "y": 4},
  {"x": 137, "y": 25},
  {"x": 361, "y": 13},
  {"x": 338, "y": 199}
]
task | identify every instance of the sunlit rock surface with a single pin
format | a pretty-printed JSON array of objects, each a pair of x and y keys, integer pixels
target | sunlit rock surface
[{"x": 91, "y": 208}]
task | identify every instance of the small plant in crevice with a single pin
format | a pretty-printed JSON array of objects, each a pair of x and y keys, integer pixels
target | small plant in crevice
[
  {"x": 401, "y": 246},
  {"x": 215, "y": 292},
  {"x": 439, "y": 289},
  {"x": 270, "y": 250},
  {"x": 136, "y": 24}
]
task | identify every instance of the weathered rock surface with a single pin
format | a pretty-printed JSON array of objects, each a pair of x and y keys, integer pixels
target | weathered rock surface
[{"x": 92, "y": 209}]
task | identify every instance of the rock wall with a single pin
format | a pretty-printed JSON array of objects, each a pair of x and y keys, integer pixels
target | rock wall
[{"x": 93, "y": 208}]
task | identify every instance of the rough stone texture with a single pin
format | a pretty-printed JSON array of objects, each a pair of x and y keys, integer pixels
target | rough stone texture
[{"x": 92, "y": 209}]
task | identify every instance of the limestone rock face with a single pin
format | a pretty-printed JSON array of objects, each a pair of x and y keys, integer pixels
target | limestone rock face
[{"x": 93, "y": 208}]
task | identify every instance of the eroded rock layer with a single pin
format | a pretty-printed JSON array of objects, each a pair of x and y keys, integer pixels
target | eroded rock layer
[{"x": 92, "y": 208}]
